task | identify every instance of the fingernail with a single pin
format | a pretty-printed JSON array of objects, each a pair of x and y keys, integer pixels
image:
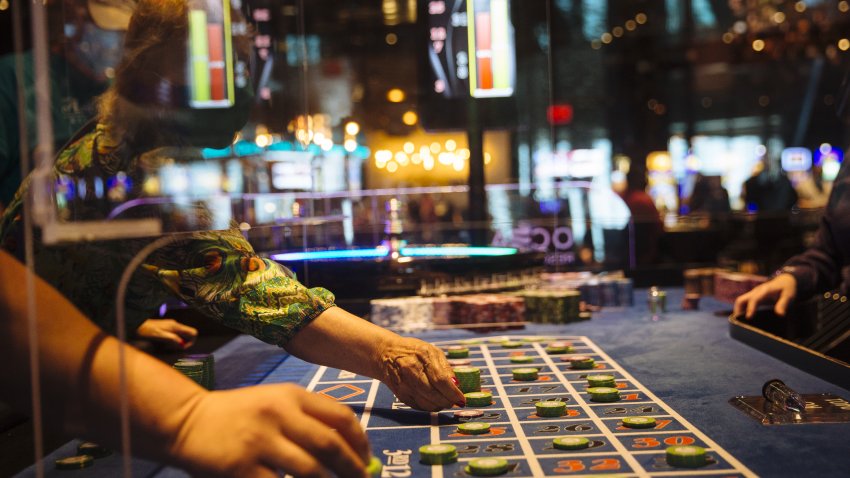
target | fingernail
[{"x": 454, "y": 381}]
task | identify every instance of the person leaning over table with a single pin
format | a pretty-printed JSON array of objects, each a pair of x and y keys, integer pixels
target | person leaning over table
[
  {"x": 254, "y": 431},
  {"x": 822, "y": 267},
  {"x": 144, "y": 120}
]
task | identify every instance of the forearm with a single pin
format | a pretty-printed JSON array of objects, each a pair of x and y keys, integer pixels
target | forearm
[
  {"x": 79, "y": 371},
  {"x": 342, "y": 340}
]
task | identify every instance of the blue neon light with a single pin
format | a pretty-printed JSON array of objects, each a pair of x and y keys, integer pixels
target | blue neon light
[
  {"x": 448, "y": 251},
  {"x": 338, "y": 254}
]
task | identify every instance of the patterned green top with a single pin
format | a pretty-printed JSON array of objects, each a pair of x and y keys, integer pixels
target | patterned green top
[{"x": 216, "y": 272}]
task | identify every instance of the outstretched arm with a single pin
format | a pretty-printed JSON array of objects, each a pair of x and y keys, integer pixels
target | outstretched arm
[{"x": 417, "y": 372}]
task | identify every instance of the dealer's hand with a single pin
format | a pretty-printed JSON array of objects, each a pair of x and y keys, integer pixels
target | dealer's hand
[
  {"x": 264, "y": 430},
  {"x": 419, "y": 374},
  {"x": 168, "y": 332},
  {"x": 780, "y": 289}
]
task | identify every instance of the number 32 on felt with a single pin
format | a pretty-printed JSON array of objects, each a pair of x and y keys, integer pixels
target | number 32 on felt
[{"x": 599, "y": 464}]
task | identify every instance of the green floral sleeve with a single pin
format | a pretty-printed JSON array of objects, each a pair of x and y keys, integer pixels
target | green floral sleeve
[{"x": 219, "y": 274}]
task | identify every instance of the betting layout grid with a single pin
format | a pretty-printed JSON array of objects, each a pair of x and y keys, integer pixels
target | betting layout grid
[{"x": 517, "y": 434}]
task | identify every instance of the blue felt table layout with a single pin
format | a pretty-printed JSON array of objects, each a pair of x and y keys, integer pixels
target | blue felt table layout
[{"x": 517, "y": 433}]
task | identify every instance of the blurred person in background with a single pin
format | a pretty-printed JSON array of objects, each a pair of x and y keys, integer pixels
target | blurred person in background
[{"x": 648, "y": 227}]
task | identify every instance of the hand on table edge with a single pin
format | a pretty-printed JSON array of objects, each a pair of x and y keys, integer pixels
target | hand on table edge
[{"x": 782, "y": 289}]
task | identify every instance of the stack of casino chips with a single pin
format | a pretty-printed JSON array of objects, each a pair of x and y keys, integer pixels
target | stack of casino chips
[
  {"x": 469, "y": 379},
  {"x": 405, "y": 314},
  {"x": 198, "y": 367},
  {"x": 729, "y": 285},
  {"x": 552, "y": 306},
  {"x": 412, "y": 314},
  {"x": 609, "y": 290}
]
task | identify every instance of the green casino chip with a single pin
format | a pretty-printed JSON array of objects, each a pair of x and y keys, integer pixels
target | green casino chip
[
  {"x": 375, "y": 466},
  {"x": 439, "y": 454},
  {"x": 468, "y": 378},
  {"x": 550, "y": 408},
  {"x": 686, "y": 456},
  {"x": 533, "y": 339},
  {"x": 499, "y": 340},
  {"x": 601, "y": 381},
  {"x": 74, "y": 462},
  {"x": 511, "y": 345},
  {"x": 639, "y": 422},
  {"x": 603, "y": 394},
  {"x": 457, "y": 352},
  {"x": 487, "y": 466},
  {"x": 581, "y": 362},
  {"x": 469, "y": 414},
  {"x": 471, "y": 341},
  {"x": 571, "y": 443},
  {"x": 525, "y": 374},
  {"x": 521, "y": 359},
  {"x": 93, "y": 450},
  {"x": 478, "y": 399},
  {"x": 473, "y": 428}
]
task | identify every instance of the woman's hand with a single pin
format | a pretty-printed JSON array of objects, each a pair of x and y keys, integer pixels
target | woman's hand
[
  {"x": 168, "y": 332},
  {"x": 781, "y": 289},
  {"x": 419, "y": 374},
  {"x": 265, "y": 430}
]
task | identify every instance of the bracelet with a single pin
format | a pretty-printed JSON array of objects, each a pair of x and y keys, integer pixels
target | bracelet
[{"x": 785, "y": 270}]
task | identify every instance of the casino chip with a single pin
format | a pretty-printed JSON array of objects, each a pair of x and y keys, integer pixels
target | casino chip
[
  {"x": 556, "y": 348},
  {"x": 550, "y": 408},
  {"x": 439, "y": 454},
  {"x": 601, "y": 381},
  {"x": 525, "y": 374},
  {"x": 459, "y": 362},
  {"x": 474, "y": 428},
  {"x": 470, "y": 341},
  {"x": 511, "y": 345},
  {"x": 686, "y": 456},
  {"x": 375, "y": 467},
  {"x": 487, "y": 466},
  {"x": 93, "y": 450},
  {"x": 478, "y": 399},
  {"x": 457, "y": 352},
  {"x": 498, "y": 340},
  {"x": 468, "y": 413},
  {"x": 639, "y": 422},
  {"x": 581, "y": 362},
  {"x": 571, "y": 443},
  {"x": 522, "y": 359},
  {"x": 74, "y": 462},
  {"x": 603, "y": 394}
]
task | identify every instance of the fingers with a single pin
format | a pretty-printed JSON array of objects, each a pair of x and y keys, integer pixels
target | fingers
[
  {"x": 440, "y": 376},
  {"x": 327, "y": 446},
  {"x": 183, "y": 330},
  {"x": 415, "y": 380},
  {"x": 740, "y": 305},
  {"x": 341, "y": 419},
  {"x": 781, "y": 306},
  {"x": 756, "y": 296}
]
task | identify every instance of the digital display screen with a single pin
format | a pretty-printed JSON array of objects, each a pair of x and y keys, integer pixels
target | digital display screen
[
  {"x": 211, "y": 54},
  {"x": 471, "y": 48}
]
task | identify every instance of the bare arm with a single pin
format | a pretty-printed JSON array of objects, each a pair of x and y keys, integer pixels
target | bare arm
[
  {"x": 269, "y": 428},
  {"x": 416, "y": 371}
]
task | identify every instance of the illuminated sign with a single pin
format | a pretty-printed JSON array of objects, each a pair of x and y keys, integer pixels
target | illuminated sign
[{"x": 471, "y": 48}]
